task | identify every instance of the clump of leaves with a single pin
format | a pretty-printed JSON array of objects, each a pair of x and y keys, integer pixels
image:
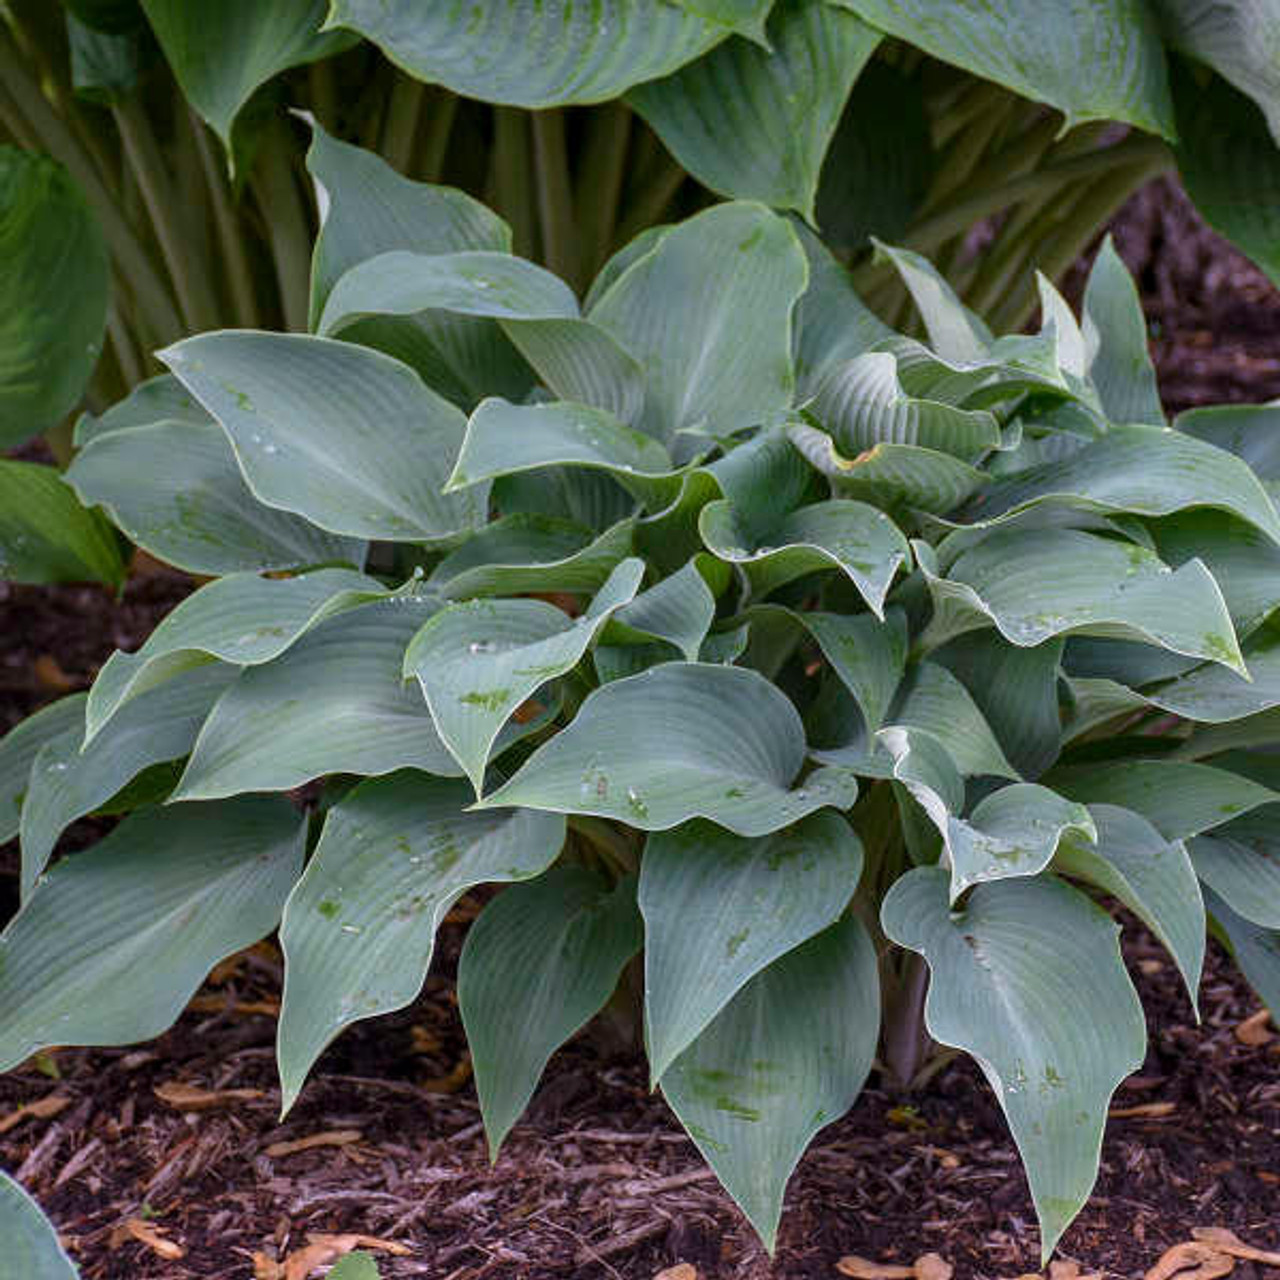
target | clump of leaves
[{"x": 730, "y": 627}]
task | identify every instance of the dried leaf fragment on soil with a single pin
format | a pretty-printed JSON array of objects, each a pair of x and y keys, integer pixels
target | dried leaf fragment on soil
[
  {"x": 1226, "y": 1241},
  {"x": 1191, "y": 1260},
  {"x": 319, "y": 1251},
  {"x": 42, "y": 1109},
  {"x": 928, "y": 1266},
  {"x": 190, "y": 1097},
  {"x": 330, "y": 1138},
  {"x": 150, "y": 1235},
  {"x": 1253, "y": 1030},
  {"x": 681, "y": 1271}
]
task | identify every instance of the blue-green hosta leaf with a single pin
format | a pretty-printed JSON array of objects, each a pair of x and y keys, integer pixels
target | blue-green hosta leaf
[
  {"x": 719, "y": 908},
  {"x": 1215, "y": 695},
  {"x": 359, "y": 928},
  {"x": 105, "y": 66},
  {"x": 53, "y": 300},
  {"x": 222, "y": 55},
  {"x": 854, "y": 538},
  {"x": 1256, "y": 949},
  {"x": 744, "y": 16},
  {"x": 1115, "y": 338},
  {"x": 869, "y": 656},
  {"x": 1241, "y": 864},
  {"x": 532, "y": 553},
  {"x": 1035, "y": 584},
  {"x": 956, "y": 334},
  {"x": 786, "y": 1056},
  {"x": 347, "y": 437},
  {"x": 891, "y": 475},
  {"x": 680, "y": 741},
  {"x": 539, "y": 962},
  {"x": 1139, "y": 470},
  {"x": 1016, "y": 690},
  {"x": 538, "y": 54},
  {"x": 19, "y": 748},
  {"x": 115, "y": 941},
  {"x": 1027, "y": 978},
  {"x": 1152, "y": 876},
  {"x": 31, "y": 1242},
  {"x": 1250, "y": 431},
  {"x": 242, "y": 619},
  {"x": 1101, "y": 60},
  {"x": 707, "y": 313},
  {"x": 1092, "y": 702},
  {"x": 46, "y": 535},
  {"x": 754, "y": 122},
  {"x": 175, "y": 489},
  {"x": 335, "y": 702},
  {"x": 832, "y": 323},
  {"x": 159, "y": 399},
  {"x": 1228, "y": 163},
  {"x": 504, "y": 438},
  {"x": 367, "y": 209},
  {"x": 478, "y": 661},
  {"x": 1180, "y": 799},
  {"x": 1011, "y": 832},
  {"x": 765, "y": 478},
  {"x": 68, "y": 782},
  {"x": 1240, "y": 40},
  {"x": 590, "y": 499},
  {"x": 678, "y": 610}
]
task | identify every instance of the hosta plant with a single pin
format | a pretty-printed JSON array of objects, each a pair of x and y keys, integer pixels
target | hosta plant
[{"x": 810, "y": 690}]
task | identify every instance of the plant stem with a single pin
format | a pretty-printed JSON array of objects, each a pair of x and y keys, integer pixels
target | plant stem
[
  {"x": 323, "y": 92},
  {"x": 235, "y": 262},
  {"x": 647, "y": 205},
  {"x": 122, "y": 346},
  {"x": 199, "y": 310},
  {"x": 607, "y": 840},
  {"x": 286, "y": 221},
  {"x": 598, "y": 189},
  {"x": 906, "y": 1042},
  {"x": 555, "y": 195},
  {"x": 513, "y": 177},
  {"x": 444, "y": 106},
  {"x": 400, "y": 125}
]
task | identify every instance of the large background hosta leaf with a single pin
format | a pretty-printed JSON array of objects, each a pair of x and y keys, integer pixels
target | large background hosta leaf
[
  {"x": 538, "y": 53},
  {"x": 115, "y": 941},
  {"x": 31, "y": 1244},
  {"x": 683, "y": 740},
  {"x": 359, "y": 929},
  {"x": 1027, "y": 977},
  {"x": 718, "y": 908},
  {"x": 53, "y": 293},
  {"x": 785, "y": 1057},
  {"x": 349, "y": 438},
  {"x": 1092, "y": 59},
  {"x": 542, "y": 959},
  {"x": 753, "y": 122}
]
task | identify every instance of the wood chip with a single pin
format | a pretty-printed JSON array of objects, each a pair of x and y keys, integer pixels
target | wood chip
[
  {"x": 1253, "y": 1030},
  {"x": 320, "y": 1251},
  {"x": 214, "y": 1003},
  {"x": 1144, "y": 1110},
  {"x": 190, "y": 1097},
  {"x": 149, "y": 1234},
  {"x": 681, "y": 1271},
  {"x": 931, "y": 1266},
  {"x": 330, "y": 1138},
  {"x": 1066, "y": 1269},
  {"x": 865, "y": 1269},
  {"x": 1191, "y": 1260},
  {"x": 1226, "y": 1241},
  {"x": 42, "y": 1109}
]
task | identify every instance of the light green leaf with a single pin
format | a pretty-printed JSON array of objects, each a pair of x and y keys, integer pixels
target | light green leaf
[
  {"x": 478, "y": 661},
  {"x": 19, "y": 748},
  {"x": 1241, "y": 863},
  {"x": 539, "y": 962},
  {"x": 46, "y": 535},
  {"x": 1027, "y": 978},
  {"x": 754, "y": 122},
  {"x": 159, "y": 399},
  {"x": 1034, "y": 584},
  {"x": 53, "y": 301},
  {"x": 241, "y": 619},
  {"x": 788, "y": 1055},
  {"x": 1115, "y": 339},
  {"x": 855, "y": 538},
  {"x": 678, "y": 610},
  {"x": 890, "y": 475},
  {"x": 679, "y": 741},
  {"x": 1178, "y": 798},
  {"x": 336, "y": 702},
  {"x": 719, "y": 908},
  {"x": 862, "y": 404},
  {"x": 1101, "y": 60},
  {"x": 1152, "y": 876},
  {"x": 505, "y": 438},
  {"x": 532, "y": 553},
  {"x": 707, "y": 313},
  {"x": 357, "y": 1265},
  {"x": 175, "y": 489},
  {"x": 359, "y": 928},
  {"x": 31, "y": 1242},
  {"x": 544, "y": 54},
  {"x": 220, "y": 57},
  {"x": 1256, "y": 950},
  {"x": 68, "y": 782},
  {"x": 115, "y": 941},
  {"x": 347, "y": 437}
]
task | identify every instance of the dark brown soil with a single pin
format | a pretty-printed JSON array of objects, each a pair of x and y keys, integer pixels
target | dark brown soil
[{"x": 598, "y": 1181}]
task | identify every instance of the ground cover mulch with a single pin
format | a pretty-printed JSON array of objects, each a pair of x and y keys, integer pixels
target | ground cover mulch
[{"x": 167, "y": 1161}]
